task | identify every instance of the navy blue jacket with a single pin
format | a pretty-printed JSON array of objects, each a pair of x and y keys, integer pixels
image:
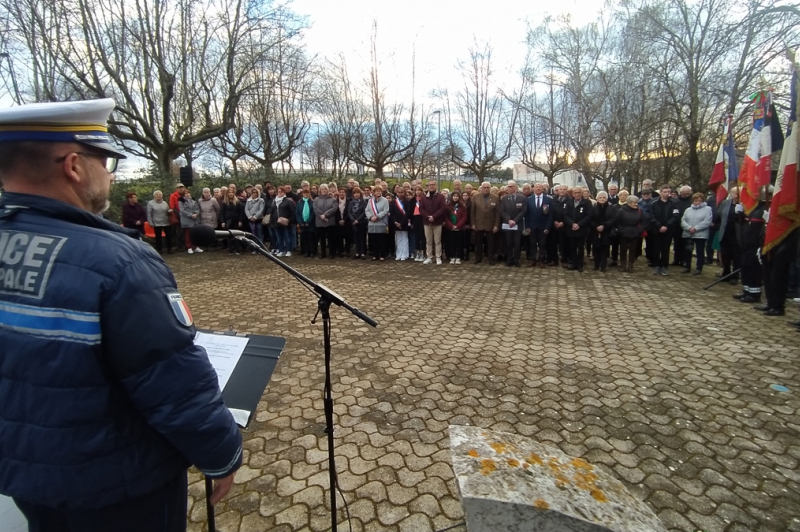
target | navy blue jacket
[
  {"x": 541, "y": 218},
  {"x": 103, "y": 394}
]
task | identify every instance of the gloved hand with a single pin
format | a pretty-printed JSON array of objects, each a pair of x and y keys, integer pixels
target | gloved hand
[
  {"x": 739, "y": 209},
  {"x": 766, "y": 216},
  {"x": 758, "y": 256}
]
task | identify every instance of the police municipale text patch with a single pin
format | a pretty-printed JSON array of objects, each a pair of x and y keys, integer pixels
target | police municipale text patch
[
  {"x": 180, "y": 309},
  {"x": 26, "y": 260}
]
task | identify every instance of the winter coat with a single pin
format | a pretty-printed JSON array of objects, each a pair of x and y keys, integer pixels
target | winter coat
[
  {"x": 132, "y": 214},
  {"x": 433, "y": 205},
  {"x": 189, "y": 208},
  {"x": 461, "y": 216},
  {"x": 209, "y": 212},
  {"x": 158, "y": 213},
  {"x": 699, "y": 217},
  {"x": 254, "y": 208},
  {"x": 283, "y": 209},
  {"x": 664, "y": 214},
  {"x": 356, "y": 211},
  {"x": 631, "y": 222},
  {"x": 231, "y": 215},
  {"x": 382, "y": 213},
  {"x": 327, "y": 206}
]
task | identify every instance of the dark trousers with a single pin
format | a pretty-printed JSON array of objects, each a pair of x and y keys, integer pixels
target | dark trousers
[
  {"x": 679, "y": 249},
  {"x": 627, "y": 250},
  {"x": 327, "y": 242},
  {"x": 563, "y": 245},
  {"x": 752, "y": 276},
  {"x": 537, "y": 241},
  {"x": 377, "y": 244},
  {"x": 552, "y": 246},
  {"x": 419, "y": 233},
  {"x": 166, "y": 230},
  {"x": 176, "y": 230},
  {"x": 343, "y": 237},
  {"x": 307, "y": 246},
  {"x": 650, "y": 251},
  {"x": 360, "y": 238},
  {"x": 453, "y": 244},
  {"x": 776, "y": 271},
  {"x": 513, "y": 240},
  {"x": 698, "y": 245},
  {"x": 614, "y": 248},
  {"x": 600, "y": 248},
  {"x": 731, "y": 255},
  {"x": 480, "y": 238},
  {"x": 161, "y": 510},
  {"x": 661, "y": 245},
  {"x": 466, "y": 241},
  {"x": 576, "y": 249}
]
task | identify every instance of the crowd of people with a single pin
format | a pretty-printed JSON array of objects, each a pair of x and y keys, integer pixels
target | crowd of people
[{"x": 415, "y": 221}]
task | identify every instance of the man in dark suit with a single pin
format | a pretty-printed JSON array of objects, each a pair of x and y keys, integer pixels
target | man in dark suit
[
  {"x": 577, "y": 217},
  {"x": 539, "y": 221},
  {"x": 512, "y": 212},
  {"x": 561, "y": 233}
]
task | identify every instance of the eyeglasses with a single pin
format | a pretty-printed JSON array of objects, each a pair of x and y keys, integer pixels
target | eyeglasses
[{"x": 111, "y": 163}]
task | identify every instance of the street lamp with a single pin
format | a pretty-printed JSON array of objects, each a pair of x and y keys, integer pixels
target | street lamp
[
  {"x": 438, "y": 114},
  {"x": 319, "y": 155}
]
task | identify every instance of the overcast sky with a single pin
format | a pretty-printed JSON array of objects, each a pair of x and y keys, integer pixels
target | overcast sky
[{"x": 441, "y": 32}]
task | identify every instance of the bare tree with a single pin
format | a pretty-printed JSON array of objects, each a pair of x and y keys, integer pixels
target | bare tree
[
  {"x": 708, "y": 55},
  {"x": 382, "y": 133},
  {"x": 421, "y": 160},
  {"x": 539, "y": 136},
  {"x": 272, "y": 117},
  {"x": 479, "y": 119},
  {"x": 177, "y": 68}
]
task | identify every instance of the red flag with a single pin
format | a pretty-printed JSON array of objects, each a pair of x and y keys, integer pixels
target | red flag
[
  {"x": 725, "y": 165},
  {"x": 784, "y": 212},
  {"x": 748, "y": 177},
  {"x": 764, "y": 166}
]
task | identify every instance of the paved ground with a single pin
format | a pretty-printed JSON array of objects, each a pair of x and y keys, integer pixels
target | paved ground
[{"x": 665, "y": 384}]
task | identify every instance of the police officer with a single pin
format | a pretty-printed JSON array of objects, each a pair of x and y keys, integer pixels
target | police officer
[{"x": 104, "y": 398}]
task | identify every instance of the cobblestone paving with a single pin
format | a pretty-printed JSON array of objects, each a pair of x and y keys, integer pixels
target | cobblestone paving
[{"x": 665, "y": 384}]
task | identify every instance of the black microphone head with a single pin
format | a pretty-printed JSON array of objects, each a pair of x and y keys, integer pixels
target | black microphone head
[{"x": 202, "y": 235}]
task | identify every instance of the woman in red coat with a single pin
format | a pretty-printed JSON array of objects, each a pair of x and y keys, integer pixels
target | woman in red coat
[{"x": 455, "y": 224}]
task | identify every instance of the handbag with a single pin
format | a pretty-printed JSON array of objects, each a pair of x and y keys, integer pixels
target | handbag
[
  {"x": 265, "y": 219},
  {"x": 283, "y": 221}
]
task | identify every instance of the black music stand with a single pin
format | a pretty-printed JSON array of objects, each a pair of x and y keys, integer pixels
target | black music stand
[{"x": 246, "y": 385}]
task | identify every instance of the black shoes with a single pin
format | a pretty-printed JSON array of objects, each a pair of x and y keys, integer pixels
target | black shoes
[
  {"x": 747, "y": 298},
  {"x": 762, "y": 308},
  {"x": 774, "y": 312}
]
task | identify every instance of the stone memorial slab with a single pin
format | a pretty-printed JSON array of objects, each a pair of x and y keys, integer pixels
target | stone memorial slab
[{"x": 509, "y": 483}]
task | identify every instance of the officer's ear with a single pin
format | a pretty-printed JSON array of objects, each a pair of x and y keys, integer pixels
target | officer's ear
[{"x": 72, "y": 167}]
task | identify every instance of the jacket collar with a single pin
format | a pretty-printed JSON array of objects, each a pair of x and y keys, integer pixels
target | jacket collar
[{"x": 12, "y": 203}]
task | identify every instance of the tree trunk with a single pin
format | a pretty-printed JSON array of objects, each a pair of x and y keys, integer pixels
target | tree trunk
[{"x": 695, "y": 176}]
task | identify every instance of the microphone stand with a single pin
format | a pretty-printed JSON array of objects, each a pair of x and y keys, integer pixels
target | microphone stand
[{"x": 327, "y": 297}]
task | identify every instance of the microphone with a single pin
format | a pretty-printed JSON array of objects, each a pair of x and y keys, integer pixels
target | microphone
[{"x": 202, "y": 235}]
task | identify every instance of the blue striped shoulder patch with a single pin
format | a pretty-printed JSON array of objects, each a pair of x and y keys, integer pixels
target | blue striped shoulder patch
[{"x": 51, "y": 323}]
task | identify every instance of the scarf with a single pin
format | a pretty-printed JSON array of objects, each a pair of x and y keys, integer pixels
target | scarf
[{"x": 306, "y": 210}]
